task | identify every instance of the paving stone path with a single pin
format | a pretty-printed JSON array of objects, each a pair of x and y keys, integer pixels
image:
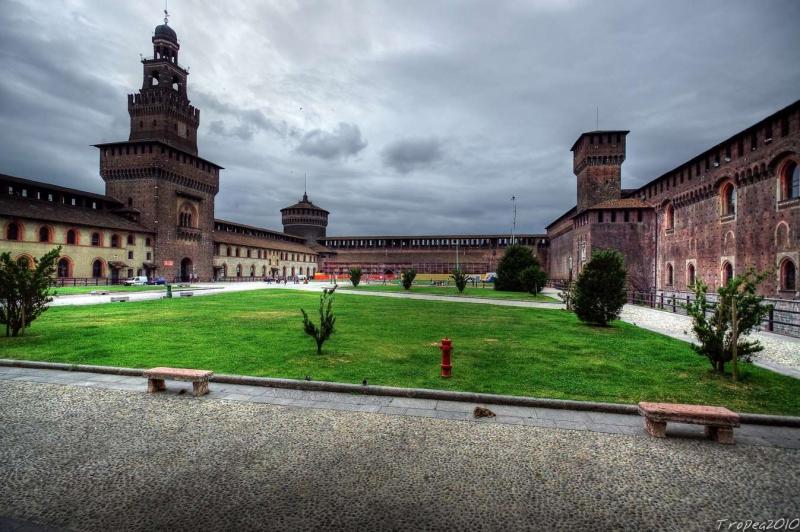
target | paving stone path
[{"x": 88, "y": 457}]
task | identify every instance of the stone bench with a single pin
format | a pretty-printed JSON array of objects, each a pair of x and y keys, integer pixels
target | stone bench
[
  {"x": 187, "y": 294},
  {"x": 719, "y": 422},
  {"x": 157, "y": 376},
  {"x": 120, "y": 299},
  {"x": 99, "y": 293}
]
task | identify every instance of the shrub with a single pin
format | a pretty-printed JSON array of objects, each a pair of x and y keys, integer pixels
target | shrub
[
  {"x": 600, "y": 289},
  {"x": 533, "y": 278},
  {"x": 355, "y": 276},
  {"x": 326, "y": 320},
  {"x": 24, "y": 291},
  {"x": 408, "y": 278},
  {"x": 515, "y": 259},
  {"x": 460, "y": 279},
  {"x": 714, "y": 328}
]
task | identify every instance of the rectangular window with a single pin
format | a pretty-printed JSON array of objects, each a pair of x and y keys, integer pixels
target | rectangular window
[
  {"x": 149, "y": 256},
  {"x": 639, "y": 215},
  {"x": 613, "y": 216},
  {"x": 627, "y": 216},
  {"x": 599, "y": 216},
  {"x": 130, "y": 255}
]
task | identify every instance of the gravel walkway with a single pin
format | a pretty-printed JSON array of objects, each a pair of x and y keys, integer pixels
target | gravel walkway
[
  {"x": 778, "y": 350},
  {"x": 114, "y": 460}
]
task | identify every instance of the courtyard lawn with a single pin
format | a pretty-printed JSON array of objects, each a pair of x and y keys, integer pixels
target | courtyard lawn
[
  {"x": 74, "y": 290},
  {"x": 507, "y": 350},
  {"x": 487, "y": 292}
]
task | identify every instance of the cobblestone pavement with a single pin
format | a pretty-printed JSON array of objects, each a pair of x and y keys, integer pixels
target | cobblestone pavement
[{"x": 99, "y": 459}]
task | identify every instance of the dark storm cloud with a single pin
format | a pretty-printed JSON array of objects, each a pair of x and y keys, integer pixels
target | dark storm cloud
[
  {"x": 408, "y": 154},
  {"x": 345, "y": 140},
  {"x": 464, "y": 103}
]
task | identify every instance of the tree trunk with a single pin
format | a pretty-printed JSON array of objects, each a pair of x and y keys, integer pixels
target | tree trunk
[{"x": 734, "y": 338}]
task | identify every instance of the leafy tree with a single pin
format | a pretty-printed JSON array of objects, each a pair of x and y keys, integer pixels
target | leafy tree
[
  {"x": 600, "y": 289},
  {"x": 326, "y": 320},
  {"x": 533, "y": 278},
  {"x": 355, "y": 276},
  {"x": 408, "y": 277},
  {"x": 24, "y": 290},
  {"x": 515, "y": 259},
  {"x": 460, "y": 279},
  {"x": 713, "y": 325}
]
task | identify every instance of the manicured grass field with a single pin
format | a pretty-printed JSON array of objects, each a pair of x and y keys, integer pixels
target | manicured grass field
[
  {"x": 487, "y": 292},
  {"x": 73, "y": 290},
  {"x": 508, "y": 350}
]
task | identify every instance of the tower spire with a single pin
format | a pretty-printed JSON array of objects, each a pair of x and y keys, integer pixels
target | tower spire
[
  {"x": 305, "y": 187},
  {"x": 166, "y": 13}
]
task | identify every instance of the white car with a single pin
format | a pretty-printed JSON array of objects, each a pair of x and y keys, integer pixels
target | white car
[{"x": 135, "y": 281}]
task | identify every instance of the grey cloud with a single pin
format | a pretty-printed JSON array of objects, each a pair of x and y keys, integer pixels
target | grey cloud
[
  {"x": 342, "y": 142},
  {"x": 410, "y": 154}
]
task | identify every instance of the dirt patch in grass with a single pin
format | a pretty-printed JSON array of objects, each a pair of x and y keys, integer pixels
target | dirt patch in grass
[{"x": 265, "y": 315}]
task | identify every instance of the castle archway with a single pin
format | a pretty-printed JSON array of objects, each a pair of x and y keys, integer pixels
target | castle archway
[{"x": 186, "y": 269}]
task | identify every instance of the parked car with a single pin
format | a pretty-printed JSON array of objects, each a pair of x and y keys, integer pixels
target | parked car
[
  {"x": 135, "y": 281},
  {"x": 490, "y": 277},
  {"x": 157, "y": 280},
  {"x": 301, "y": 278}
]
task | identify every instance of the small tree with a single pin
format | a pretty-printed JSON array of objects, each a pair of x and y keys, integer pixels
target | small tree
[
  {"x": 567, "y": 295},
  {"x": 515, "y": 259},
  {"x": 533, "y": 278},
  {"x": 600, "y": 289},
  {"x": 720, "y": 336},
  {"x": 326, "y": 320},
  {"x": 355, "y": 276},
  {"x": 25, "y": 289},
  {"x": 460, "y": 279},
  {"x": 408, "y": 278}
]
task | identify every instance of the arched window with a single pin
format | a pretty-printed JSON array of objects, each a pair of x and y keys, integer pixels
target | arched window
[
  {"x": 238, "y": 270},
  {"x": 252, "y": 270},
  {"x": 788, "y": 275},
  {"x": 131, "y": 240},
  {"x": 97, "y": 269},
  {"x": 228, "y": 251},
  {"x": 44, "y": 234},
  {"x": 114, "y": 241},
  {"x": 24, "y": 262},
  {"x": 187, "y": 217},
  {"x": 669, "y": 275},
  {"x": 691, "y": 276},
  {"x": 728, "y": 200},
  {"x": 13, "y": 231},
  {"x": 263, "y": 271},
  {"x": 72, "y": 237},
  {"x": 62, "y": 269},
  {"x": 669, "y": 218},
  {"x": 96, "y": 239},
  {"x": 790, "y": 181},
  {"x": 727, "y": 273}
]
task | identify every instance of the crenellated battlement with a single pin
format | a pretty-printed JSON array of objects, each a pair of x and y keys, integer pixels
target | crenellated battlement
[{"x": 149, "y": 102}]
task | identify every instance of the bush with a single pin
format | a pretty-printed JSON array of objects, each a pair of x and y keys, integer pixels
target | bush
[
  {"x": 515, "y": 260},
  {"x": 355, "y": 276},
  {"x": 24, "y": 291},
  {"x": 713, "y": 327},
  {"x": 460, "y": 279},
  {"x": 533, "y": 278},
  {"x": 326, "y": 320},
  {"x": 600, "y": 289},
  {"x": 408, "y": 277}
]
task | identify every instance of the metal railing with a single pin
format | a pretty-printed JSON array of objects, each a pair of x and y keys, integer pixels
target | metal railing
[{"x": 778, "y": 320}]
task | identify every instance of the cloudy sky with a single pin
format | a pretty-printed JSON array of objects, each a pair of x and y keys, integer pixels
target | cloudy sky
[{"x": 408, "y": 116}]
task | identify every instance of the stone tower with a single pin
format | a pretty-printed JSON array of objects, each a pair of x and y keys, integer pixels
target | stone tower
[
  {"x": 597, "y": 158},
  {"x": 306, "y": 220},
  {"x": 157, "y": 173}
]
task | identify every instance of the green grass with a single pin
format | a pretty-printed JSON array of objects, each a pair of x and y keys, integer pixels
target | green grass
[
  {"x": 389, "y": 341},
  {"x": 73, "y": 290},
  {"x": 488, "y": 292}
]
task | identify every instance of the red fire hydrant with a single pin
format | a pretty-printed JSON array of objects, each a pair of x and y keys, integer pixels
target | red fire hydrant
[{"x": 447, "y": 349}]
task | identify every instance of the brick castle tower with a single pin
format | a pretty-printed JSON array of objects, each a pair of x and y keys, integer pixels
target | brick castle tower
[
  {"x": 597, "y": 158},
  {"x": 157, "y": 173},
  {"x": 306, "y": 220}
]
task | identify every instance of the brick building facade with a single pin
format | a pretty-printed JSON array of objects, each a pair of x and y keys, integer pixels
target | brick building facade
[{"x": 732, "y": 207}]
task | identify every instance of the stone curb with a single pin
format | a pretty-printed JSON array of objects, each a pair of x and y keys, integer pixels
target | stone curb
[{"x": 391, "y": 391}]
